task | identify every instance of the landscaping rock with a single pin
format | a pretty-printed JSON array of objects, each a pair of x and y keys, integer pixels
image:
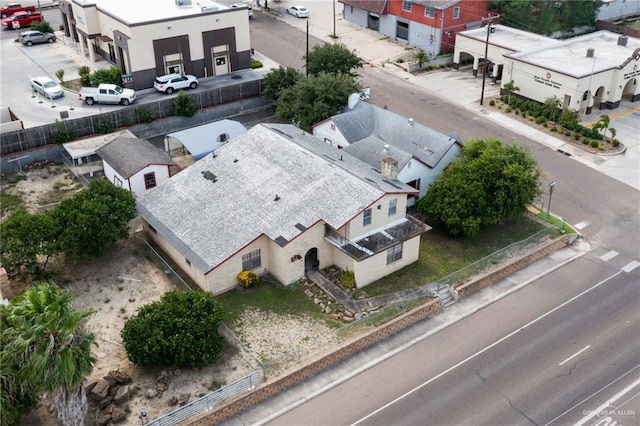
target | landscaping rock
[
  {"x": 100, "y": 390},
  {"x": 151, "y": 393},
  {"x": 122, "y": 394},
  {"x": 120, "y": 377}
]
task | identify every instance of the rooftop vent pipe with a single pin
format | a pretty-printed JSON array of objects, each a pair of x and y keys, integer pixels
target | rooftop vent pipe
[{"x": 590, "y": 52}]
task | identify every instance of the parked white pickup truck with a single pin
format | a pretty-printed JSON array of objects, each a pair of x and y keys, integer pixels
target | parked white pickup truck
[{"x": 107, "y": 94}]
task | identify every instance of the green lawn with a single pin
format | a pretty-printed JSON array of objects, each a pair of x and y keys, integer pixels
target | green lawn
[{"x": 441, "y": 255}]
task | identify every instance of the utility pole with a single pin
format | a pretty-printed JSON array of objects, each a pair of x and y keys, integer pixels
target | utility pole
[
  {"x": 490, "y": 29},
  {"x": 307, "y": 55}
]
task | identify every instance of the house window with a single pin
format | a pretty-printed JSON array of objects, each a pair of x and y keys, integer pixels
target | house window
[
  {"x": 328, "y": 141},
  {"x": 393, "y": 204},
  {"x": 153, "y": 229},
  {"x": 150, "y": 180},
  {"x": 188, "y": 261},
  {"x": 394, "y": 254},
  {"x": 456, "y": 12},
  {"x": 429, "y": 12},
  {"x": 117, "y": 181},
  {"x": 251, "y": 260},
  {"x": 407, "y": 5},
  {"x": 366, "y": 218}
]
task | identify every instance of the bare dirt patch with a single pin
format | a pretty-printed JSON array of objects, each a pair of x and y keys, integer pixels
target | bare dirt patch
[{"x": 125, "y": 279}]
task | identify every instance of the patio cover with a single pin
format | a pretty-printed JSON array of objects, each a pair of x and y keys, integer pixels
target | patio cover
[{"x": 87, "y": 147}]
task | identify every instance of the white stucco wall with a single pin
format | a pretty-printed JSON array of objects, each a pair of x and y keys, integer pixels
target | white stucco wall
[
  {"x": 328, "y": 132},
  {"x": 114, "y": 177},
  {"x": 375, "y": 267},
  {"x": 379, "y": 216},
  {"x": 355, "y": 15},
  {"x": 136, "y": 182}
]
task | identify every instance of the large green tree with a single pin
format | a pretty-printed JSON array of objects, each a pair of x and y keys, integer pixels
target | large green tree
[
  {"x": 25, "y": 237},
  {"x": 45, "y": 340},
  {"x": 547, "y": 16},
  {"x": 315, "y": 98},
  {"x": 94, "y": 219},
  {"x": 488, "y": 183},
  {"x": 332, "y": 59},
  {"x": 180, "y": 329},
  {"x": 278, "y": 80}
]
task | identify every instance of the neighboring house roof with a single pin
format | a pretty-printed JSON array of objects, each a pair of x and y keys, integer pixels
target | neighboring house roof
[
  {"x": 274, "y": 180},
  {"x": 437, "y": 4},
  {"x": 374, "y": 6},
  {"x": 368, "y": 128},
  {"x": 203, "y": 140},
  {"x": 128, "y": 156}
]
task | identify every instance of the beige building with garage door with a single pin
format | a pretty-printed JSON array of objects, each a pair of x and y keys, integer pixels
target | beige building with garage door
[
  {"x": 596, "y": 70},
  {"x": 147, "y": 38}
]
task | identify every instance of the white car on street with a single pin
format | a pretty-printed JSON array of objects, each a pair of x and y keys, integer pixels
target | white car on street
[
  {"x": 47, "y": 87},
  {"x": 171, "y": 82},
  {"x": 298, "y": 11},
  {"x": 237, "y": 5}
]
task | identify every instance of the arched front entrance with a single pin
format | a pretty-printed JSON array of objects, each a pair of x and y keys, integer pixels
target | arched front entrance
[{"x": 311, "y": 262}]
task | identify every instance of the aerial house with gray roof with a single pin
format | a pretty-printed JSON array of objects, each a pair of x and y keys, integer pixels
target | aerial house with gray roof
[
  {"x": 371, "y": 133},
  {"x": 276, "y": 201},
  {"x": 135, "y": 164}
]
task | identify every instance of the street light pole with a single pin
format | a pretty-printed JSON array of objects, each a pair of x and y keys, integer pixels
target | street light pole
[
  {"x": 551, "y": 185},
  {"x": 490, "y": 29}
]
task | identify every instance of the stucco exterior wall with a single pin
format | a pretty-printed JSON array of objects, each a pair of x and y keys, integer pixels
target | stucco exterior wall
[
  {"x": 112, "y": 176},
  {"x": 225, "y": 276},
  {"x": 355, "y": 15},
  {"x": 328, "y": 132},
  {"x": 379, "y": 216},
  {"x": 136, "y": 182},
  {"x": 375, "y": 267},
  {"x": 195, "y": 275}
]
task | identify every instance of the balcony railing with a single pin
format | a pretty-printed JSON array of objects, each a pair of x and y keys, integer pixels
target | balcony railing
[{"x": 377, "y": 241}]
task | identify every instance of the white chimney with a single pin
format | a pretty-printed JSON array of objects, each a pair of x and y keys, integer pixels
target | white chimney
[{"x": 390, "y": 168}]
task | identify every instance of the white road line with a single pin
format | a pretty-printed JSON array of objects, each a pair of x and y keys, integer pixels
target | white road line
[
  {"x": 497, "y": 342},
  {"x": 604, "y": 406},
  {"x": 596, "y": 393},
  {"x": 610, "y": 255},
  {"x": 575, "y": 355},
  {"x": 581, "y": 225},
  {"x": 631, "y": 266}
]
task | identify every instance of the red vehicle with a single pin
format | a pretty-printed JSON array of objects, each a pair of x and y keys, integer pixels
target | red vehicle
[
  {"x": 13, "y": 8},
  {"x": 21, "y": 20}
]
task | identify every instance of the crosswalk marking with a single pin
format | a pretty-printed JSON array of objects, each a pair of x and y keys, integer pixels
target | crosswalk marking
[
  {"x": 581, "y": 225},
  {"x": 610, "y": 255},
  {"x": 631, "y": 266}
]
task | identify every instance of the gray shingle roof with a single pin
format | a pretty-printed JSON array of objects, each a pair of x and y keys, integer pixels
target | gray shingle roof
[
  {"x": 274, "y": 180},
  {"x": 128, "y": 156},
  {"x": 374, "y": 126}
]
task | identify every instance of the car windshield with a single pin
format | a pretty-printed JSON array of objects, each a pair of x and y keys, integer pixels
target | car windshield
[
  {"x": 50, "y": 83},
  {"x": 119, "y": 89}
]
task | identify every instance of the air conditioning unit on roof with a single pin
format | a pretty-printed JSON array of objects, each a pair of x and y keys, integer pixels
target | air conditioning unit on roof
[
  {"x": 204, "y": 9},
  {"x": 182, "y": 3}
]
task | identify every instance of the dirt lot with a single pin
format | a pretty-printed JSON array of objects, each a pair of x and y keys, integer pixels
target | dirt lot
[{"x": 125, "y": 279}]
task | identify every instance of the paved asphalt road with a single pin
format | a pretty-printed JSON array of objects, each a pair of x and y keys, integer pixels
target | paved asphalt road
[
  {"x": 527, "y": 359},
  {"x": 520, "y": 376}
]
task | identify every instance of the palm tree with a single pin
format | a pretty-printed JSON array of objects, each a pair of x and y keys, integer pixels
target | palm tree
[
  {"x": 510, "y": 87},
  {"x": 422, "y": 57},
  {"x": 603, "y": 123},
  {"x": 48, "y": 339}
]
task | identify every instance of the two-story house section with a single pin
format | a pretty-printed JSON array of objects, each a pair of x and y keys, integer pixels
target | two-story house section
[
  {"x": 430, "y": 25},
  {"x": 148, "y": 38},
  {"x": 276, "y": 201},
  {"x": 371, "y": 134}
]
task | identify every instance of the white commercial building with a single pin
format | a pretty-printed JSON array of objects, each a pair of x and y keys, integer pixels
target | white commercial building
[
  {"x": 147, "y": 38},
  {"x": 598, "y": 69}
]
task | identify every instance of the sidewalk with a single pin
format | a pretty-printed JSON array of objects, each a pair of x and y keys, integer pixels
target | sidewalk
[{"x": 299, "y": 394}]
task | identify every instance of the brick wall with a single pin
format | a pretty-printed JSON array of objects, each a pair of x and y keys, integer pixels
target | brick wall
[
  {"x": 510, "y": 268},
  {"x": 311, "y": 368}
]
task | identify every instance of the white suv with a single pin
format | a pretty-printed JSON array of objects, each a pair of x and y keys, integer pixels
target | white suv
[{"x": 171, "y": 82}]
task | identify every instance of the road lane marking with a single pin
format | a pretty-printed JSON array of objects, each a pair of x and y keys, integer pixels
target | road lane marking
[
  {"x": 575, "y": 355},
  {"x": 610, "y": 255},
  {"x": 631, "y": 266},
  {"x": 604, "y": 406},
  {"x": 480, "y": 352},
  {"x": 581, "y": 225}
]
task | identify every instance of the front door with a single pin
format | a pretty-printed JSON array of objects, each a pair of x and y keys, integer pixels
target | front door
[
  {"x": 220, "y": 55},
  {"x": 311, "y": 262}
]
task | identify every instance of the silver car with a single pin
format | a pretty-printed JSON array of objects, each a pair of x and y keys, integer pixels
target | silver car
[
  {"x": 29, "y": 38},
  {"x": 47, "y": 87}
]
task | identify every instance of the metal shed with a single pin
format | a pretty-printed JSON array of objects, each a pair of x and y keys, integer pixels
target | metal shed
[{"x": 202, "y": 140}]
